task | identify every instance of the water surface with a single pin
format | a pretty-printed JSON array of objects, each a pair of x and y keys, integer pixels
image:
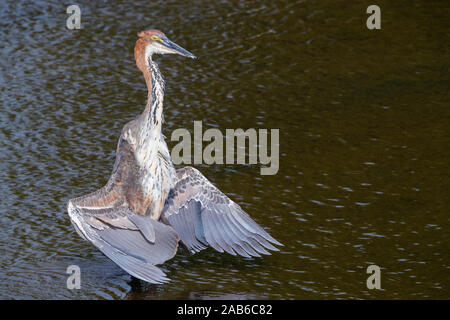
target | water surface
[{"x": 363, "y": 119}]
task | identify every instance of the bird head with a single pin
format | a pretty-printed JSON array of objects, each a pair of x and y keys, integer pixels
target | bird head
[
  {"x": 152, "y": 41},
  {"x": 156, "y": 42}
]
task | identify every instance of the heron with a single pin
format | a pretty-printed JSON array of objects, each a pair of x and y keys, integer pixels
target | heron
[{"x": 147, "y": 207}]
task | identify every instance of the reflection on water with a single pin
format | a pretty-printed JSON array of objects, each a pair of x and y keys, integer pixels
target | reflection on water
[{"x": 363, "y": 119}]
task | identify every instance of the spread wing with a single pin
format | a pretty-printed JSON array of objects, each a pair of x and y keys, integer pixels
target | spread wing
[
  {"x": 136, "y": 243},
  {"x": 203, "y": 216}
]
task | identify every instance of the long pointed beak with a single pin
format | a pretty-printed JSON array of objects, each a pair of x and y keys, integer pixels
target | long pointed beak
[{"x": 174, "y": 48}]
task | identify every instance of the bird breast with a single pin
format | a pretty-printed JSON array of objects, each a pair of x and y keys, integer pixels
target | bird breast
[{"x": 157, "y": 174}]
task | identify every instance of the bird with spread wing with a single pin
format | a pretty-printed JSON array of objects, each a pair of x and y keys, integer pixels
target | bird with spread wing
[{"x": 147, "y": 207}]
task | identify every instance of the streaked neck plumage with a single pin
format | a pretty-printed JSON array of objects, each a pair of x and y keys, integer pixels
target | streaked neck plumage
[
  {"x": 152, "y": 117},
  {"x": 150, "y": 121},
  {"x": 155, "y": 97}
]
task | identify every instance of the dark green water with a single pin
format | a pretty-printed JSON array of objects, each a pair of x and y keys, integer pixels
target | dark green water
[{"x": 364, "y": 141}]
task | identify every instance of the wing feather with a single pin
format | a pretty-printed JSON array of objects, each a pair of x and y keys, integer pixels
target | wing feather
[
  {"x": 204, "y": 216},
  {"x": 135, "y": 243}
]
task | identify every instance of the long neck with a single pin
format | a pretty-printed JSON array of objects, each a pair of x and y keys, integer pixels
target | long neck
[
  {"x": 153, "y": 113},
  {"x": 151, "y": 151}
]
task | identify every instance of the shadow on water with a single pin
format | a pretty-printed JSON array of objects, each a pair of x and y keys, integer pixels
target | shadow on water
[{"x": 363, "y": 119}]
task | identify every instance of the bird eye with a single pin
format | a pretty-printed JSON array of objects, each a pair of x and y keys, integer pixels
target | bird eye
[{"x": 155, "y": 38}]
